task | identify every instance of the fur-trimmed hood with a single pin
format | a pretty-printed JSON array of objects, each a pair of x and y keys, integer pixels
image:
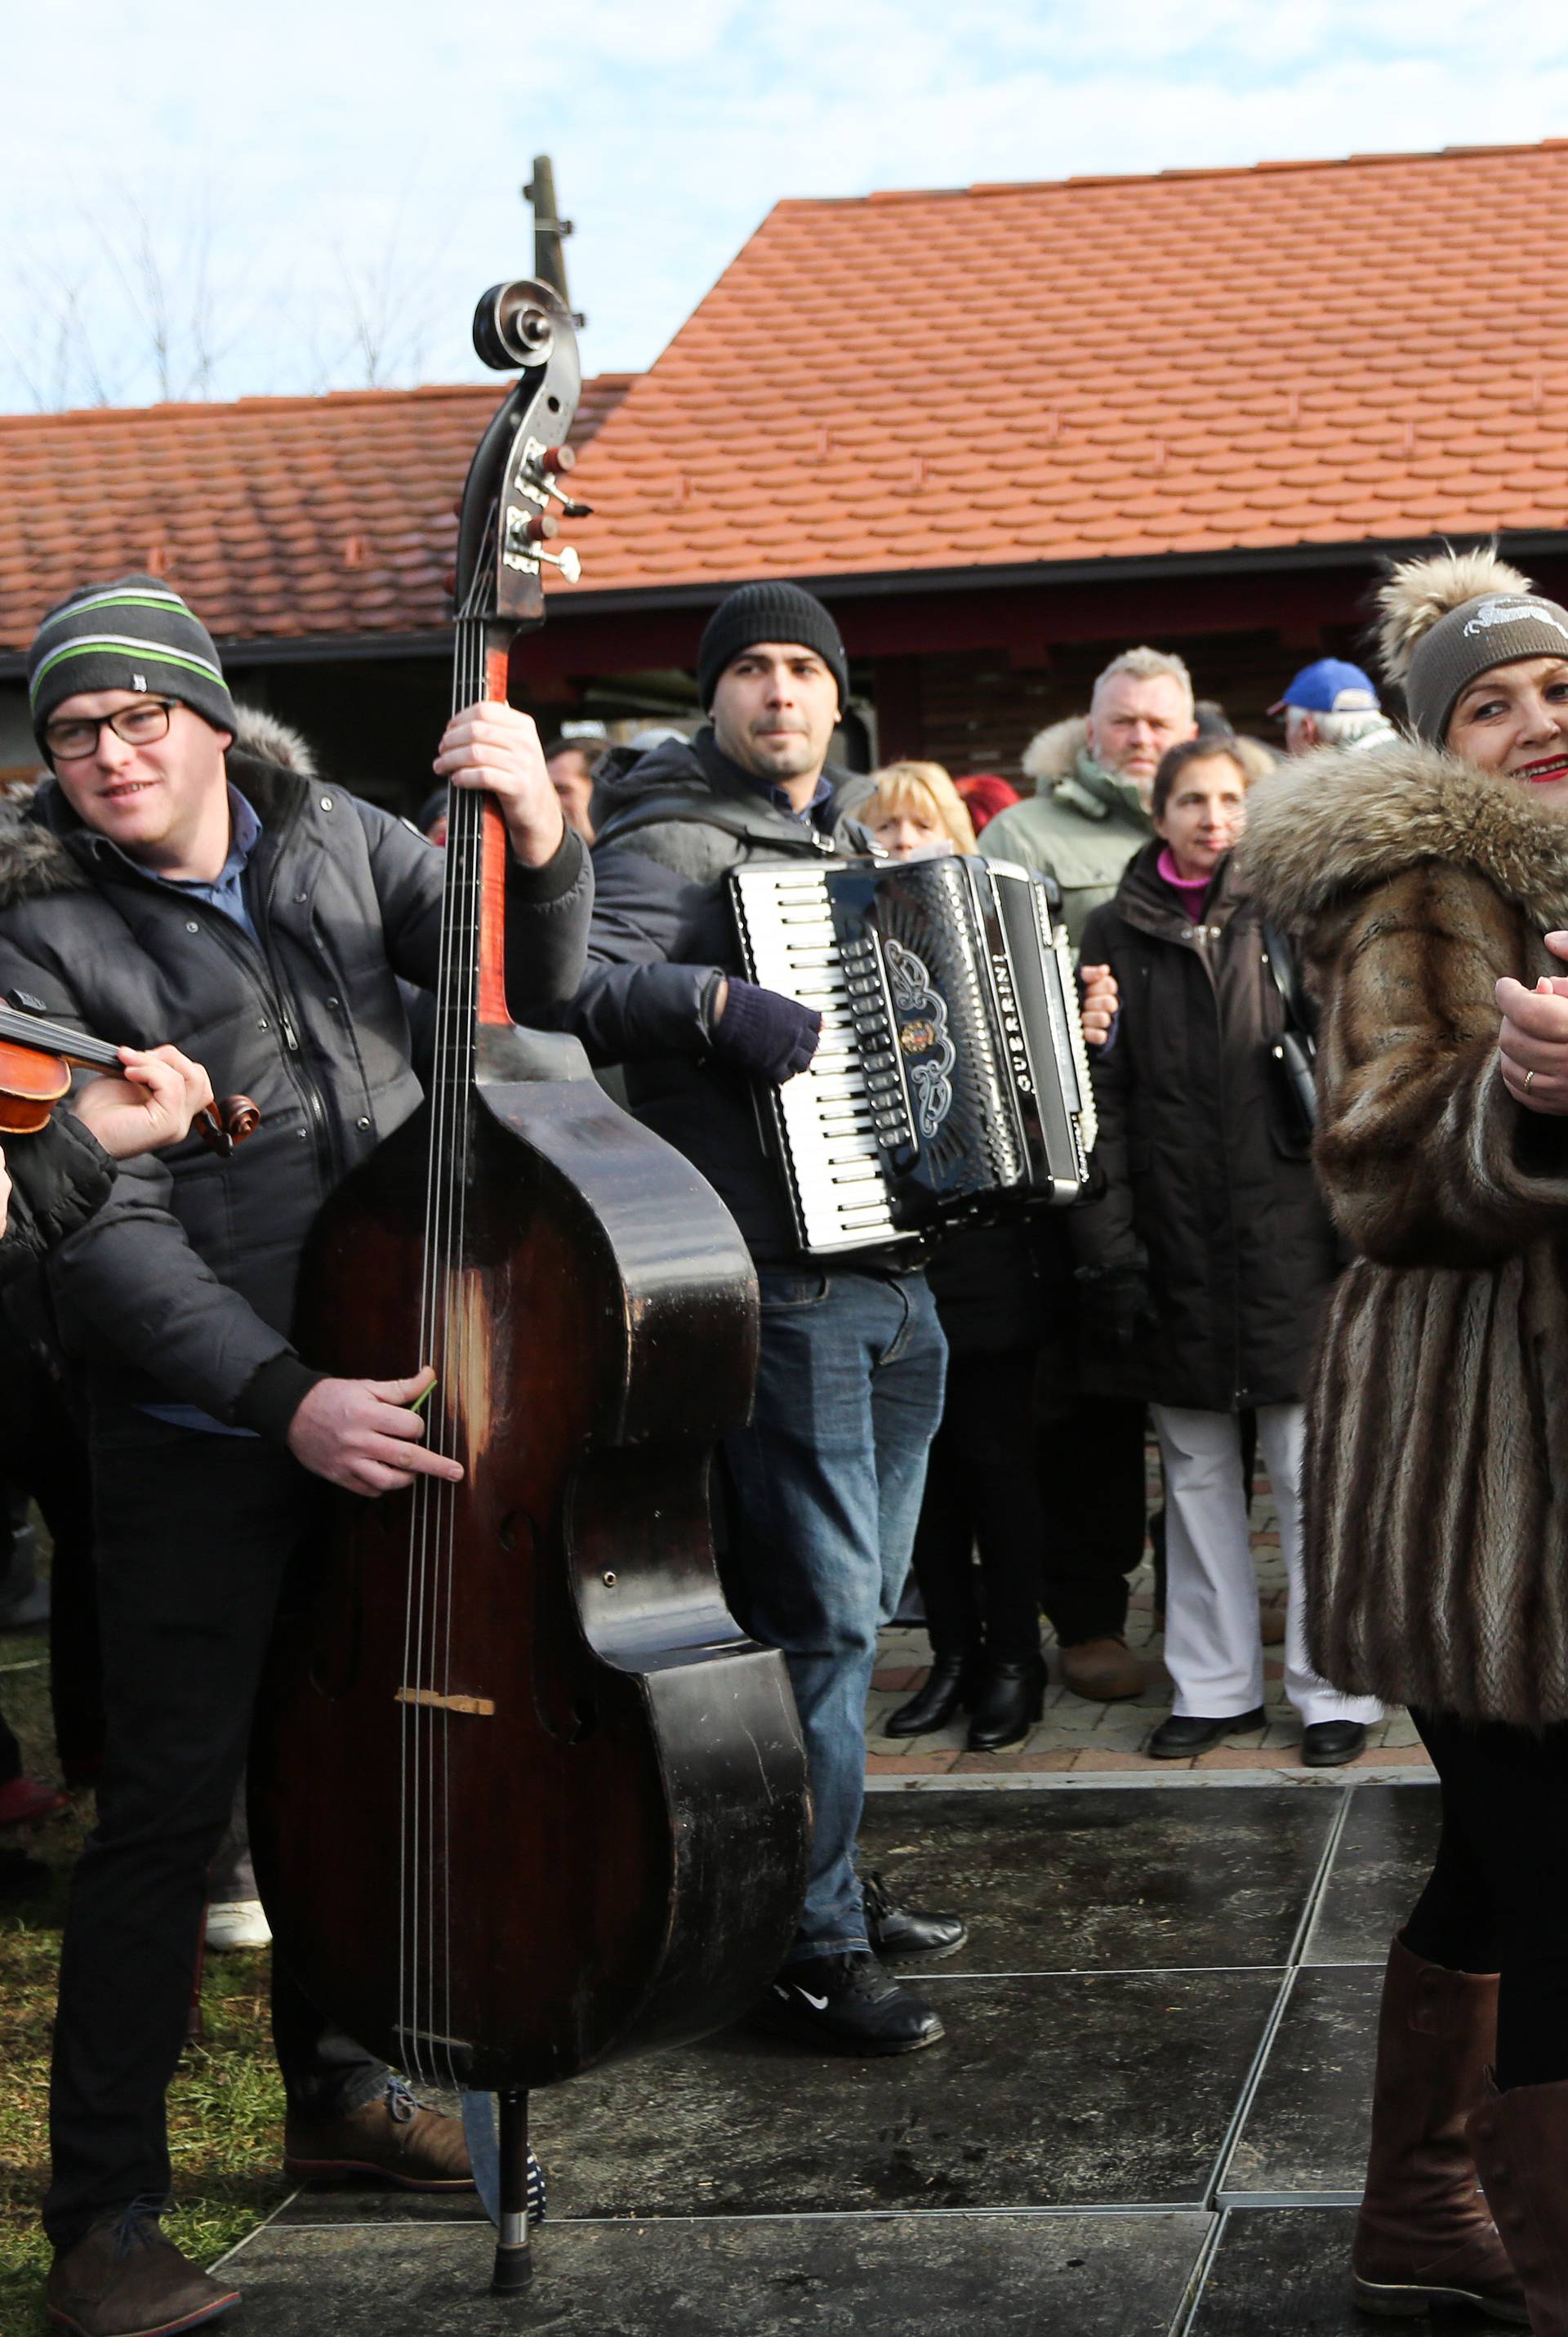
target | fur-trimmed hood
[
  {"x": 266, "y": 762},
  {"x": 1051, "y": 753},
  {"x": 1336, "y": 822}
]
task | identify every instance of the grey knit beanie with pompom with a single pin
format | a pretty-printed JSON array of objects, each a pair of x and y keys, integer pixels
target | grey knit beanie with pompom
[{"x": 1447, "y": 618}]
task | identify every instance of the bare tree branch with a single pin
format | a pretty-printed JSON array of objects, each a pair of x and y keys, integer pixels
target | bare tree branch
[{"x": 131, "y": 303}]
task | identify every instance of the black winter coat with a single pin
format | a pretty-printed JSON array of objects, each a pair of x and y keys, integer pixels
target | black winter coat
[
  {"x": 669, "y": 829},
  {"x": 1207, "y": 1187},
  {"x": 181, "y": 1287},
  {"x": 59, "y": 1178}
]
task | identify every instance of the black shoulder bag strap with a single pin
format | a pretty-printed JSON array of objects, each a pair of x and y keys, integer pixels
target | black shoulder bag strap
[{"x": 1295, "y": 1048}]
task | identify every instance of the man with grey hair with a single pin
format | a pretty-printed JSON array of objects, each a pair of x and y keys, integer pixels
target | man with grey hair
[
  {"x": 1089, "y": 812},
  {"x": 1332, "y": 704}
]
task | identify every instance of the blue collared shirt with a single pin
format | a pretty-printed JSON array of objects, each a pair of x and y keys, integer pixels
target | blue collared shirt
[
  {"x": 812, "y": 813},
  {"x": 226, "y": 891}
]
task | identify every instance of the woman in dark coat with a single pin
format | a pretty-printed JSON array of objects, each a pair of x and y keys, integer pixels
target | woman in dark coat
[
  {"x": 982, "y": 1497},
  {"x": 1428, "y": 882},
  {"x": 1207, "y": 1261}
]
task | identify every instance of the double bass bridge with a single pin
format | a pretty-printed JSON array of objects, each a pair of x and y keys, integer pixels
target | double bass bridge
[{"x": 430, "y": 1699}]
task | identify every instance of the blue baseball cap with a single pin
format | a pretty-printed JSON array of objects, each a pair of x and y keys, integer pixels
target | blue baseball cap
[{"x": 1330, "y": 687}]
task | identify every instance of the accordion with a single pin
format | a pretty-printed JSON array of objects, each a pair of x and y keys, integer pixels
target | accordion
[{"x": 951, "y": 1080}]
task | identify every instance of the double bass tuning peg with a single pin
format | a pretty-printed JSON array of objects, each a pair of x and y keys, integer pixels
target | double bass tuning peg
[
  {"x": 528, "y": 532},
  {"x": 547, "y": 473}
]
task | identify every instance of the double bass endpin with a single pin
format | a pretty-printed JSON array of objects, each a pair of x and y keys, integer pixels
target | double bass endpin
[{"x": 513, "y": 2256}]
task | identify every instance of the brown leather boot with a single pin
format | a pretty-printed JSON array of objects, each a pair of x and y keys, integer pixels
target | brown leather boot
[
  {"x": 394, "y": 2137},
  {"x": 1424, "y": 2237},
  {"x": 124, "y": 2279},
  {"x": 1103, "y": 1670},
  {"x": 1520, "y": 2140}
]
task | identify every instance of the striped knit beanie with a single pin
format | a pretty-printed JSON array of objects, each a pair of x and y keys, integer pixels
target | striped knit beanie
[{"x": 132, "y": 634}]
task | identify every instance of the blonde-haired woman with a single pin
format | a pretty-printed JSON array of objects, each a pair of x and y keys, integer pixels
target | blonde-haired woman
[
  {"x": 915, "y": 807},
  {"x": 1429, "y": 883}
]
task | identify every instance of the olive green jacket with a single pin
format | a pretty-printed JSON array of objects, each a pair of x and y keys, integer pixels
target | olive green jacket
[{"x": 1083, "y": 824}]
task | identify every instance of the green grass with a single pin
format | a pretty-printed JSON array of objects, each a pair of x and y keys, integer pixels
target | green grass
[{"x": 226, "y": 2104}]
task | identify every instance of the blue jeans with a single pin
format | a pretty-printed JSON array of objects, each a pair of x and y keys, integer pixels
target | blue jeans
[{"x": 825, "y": 1491}]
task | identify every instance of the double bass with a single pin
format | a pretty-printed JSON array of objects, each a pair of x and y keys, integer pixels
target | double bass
[{"x": 524, "y": 1796}]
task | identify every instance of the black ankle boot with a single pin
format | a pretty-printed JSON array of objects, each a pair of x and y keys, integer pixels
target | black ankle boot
[
  {"x": 1011, "y": 1700},
  {"x": 951, "y": 1685}
]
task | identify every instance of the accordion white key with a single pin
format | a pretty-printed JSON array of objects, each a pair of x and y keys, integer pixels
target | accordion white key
[{"x": 951, "y": 1081}]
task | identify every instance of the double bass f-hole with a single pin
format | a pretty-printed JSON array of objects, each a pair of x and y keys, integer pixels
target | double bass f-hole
[{"x": 562, "y": 1690}]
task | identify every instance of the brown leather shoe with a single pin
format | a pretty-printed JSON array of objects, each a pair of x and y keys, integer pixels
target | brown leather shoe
[
  {"x": 1520, "y": 2139},
  {"x": 1424, "y": 2237},
  {"x": 394, "y": 2137},
  {"x": 1105, "y": 1671},
  {"x": 124, "y": 2279}
]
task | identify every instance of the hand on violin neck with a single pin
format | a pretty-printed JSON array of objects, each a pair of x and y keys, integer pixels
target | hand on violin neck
[
  {"x": 151, "y": 1104},
  {"x": 364, "y": 1435},
  {"x": 494, "y": 747}
]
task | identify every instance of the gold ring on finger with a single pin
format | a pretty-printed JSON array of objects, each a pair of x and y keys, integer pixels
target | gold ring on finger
[{"x": 1528, "y": 1077}]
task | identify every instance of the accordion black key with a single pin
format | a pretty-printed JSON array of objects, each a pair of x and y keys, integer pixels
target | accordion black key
[{"x": 950, "y": 1081}]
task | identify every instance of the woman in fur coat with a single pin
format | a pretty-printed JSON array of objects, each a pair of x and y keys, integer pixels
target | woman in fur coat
[{"x": 1429, "y": 885}]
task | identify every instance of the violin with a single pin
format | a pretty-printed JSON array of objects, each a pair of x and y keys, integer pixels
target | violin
[{"x": 36, "y": 1060}]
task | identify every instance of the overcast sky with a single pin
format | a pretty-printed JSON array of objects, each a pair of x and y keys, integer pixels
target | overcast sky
[{"x": 349, "y": 176}]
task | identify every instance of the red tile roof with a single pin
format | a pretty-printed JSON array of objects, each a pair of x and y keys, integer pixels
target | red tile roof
[
  {"x": 278, "y": 516},
  {"x": 1194, "y": 362}
]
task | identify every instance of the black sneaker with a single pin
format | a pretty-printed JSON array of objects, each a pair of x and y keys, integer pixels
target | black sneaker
[
  {"x": 846, "y": 2004},
  {"x": 895, "y": 1932}
]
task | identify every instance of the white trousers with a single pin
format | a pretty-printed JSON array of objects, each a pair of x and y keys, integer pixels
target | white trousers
[{"x": 1213, "y": 1651}]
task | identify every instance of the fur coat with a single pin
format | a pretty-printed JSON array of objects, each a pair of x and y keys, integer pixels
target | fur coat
[{"x": 1436, "y": 1476}]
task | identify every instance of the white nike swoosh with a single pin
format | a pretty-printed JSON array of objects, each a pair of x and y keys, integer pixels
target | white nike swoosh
[{"x": 820, "y": 2001}]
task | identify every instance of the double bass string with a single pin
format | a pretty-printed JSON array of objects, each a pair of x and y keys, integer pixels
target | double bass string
[
  {"x": 468, "y": 937},
  {"x": 421, "y": 1970}
]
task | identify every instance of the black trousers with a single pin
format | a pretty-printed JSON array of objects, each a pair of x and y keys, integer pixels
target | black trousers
[
  {"x": 1498, "y": 1899},
  {"x": 982, "y": 1493},
  {"x": 1091, "y": 1468},
  {"x": 193, "y": 1533},
  {"x": 44, "y": 1450}
]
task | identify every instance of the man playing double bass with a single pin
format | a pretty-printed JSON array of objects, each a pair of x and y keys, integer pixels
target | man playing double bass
[{"x": 168, "y": 884}]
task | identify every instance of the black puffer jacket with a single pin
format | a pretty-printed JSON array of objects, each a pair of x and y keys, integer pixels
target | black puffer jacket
[
  {"x": 59, "y": 1178},
  {"x": 669, "y": 829},
  {"x": 182, "y": 1285},
  {"x": 1205, "y": 1182}
]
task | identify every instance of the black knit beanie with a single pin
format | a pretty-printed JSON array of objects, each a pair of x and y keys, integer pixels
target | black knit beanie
[
  {"x": 132, "y": 634},
  {"x": 1495, "y": 629},
  {"x": 769, "y": 612}
]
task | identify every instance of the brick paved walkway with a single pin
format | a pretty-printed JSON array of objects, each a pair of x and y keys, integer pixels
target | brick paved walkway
[{"x": 1100, "y": 1739}]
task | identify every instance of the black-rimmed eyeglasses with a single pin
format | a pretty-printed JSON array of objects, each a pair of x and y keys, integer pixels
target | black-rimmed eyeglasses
[{"x": 138, "y": 725}]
